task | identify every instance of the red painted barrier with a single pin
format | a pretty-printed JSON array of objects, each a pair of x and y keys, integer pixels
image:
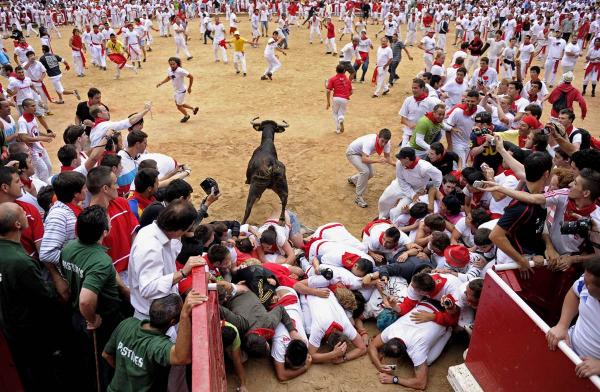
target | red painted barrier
[
  {"x": 508, "y": 349},
  {"x": 208, "y": 362}
]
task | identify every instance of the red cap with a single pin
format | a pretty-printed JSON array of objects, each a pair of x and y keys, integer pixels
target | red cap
[
  {"x": 457, "y": 256},
  {"x": 531, "y": 121}
]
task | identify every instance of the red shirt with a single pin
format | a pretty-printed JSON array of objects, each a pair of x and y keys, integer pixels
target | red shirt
[
  {"x": 123, "y": 224},
  {"x": 34, "y": 232},
  {"x": 281, "y": 273},
  {"x": 330, "y": 30},
  {"x": 341, "y": 86}
]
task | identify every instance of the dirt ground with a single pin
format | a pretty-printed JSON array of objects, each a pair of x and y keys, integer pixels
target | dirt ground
[{"x": 219, "y": 141}]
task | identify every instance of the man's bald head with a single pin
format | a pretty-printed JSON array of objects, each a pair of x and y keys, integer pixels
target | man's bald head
[{"x": 12, "y": 218}]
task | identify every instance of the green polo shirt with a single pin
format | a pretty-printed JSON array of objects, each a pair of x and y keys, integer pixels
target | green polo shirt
[
  {"x": 141, "y": 357},
  {"x": 25, "y": 298},
  {"x": 428, "y": 129},
  {"x": 90, "y": 267}
]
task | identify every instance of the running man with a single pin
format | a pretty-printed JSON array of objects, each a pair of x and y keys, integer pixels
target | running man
[
  {"x": 51, "y": 62},
  {"x": 116, "y": 54},
  {"x": 177, "y": 75},
  {"x": 239, "y": 57},
  {"x": 273, "y": 63}
]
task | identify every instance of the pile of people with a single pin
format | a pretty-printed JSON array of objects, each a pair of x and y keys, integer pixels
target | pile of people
[{"x": 102, "y": 250}]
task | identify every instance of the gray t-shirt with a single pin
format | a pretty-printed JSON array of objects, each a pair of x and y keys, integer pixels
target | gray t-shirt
[{"x": 397, "y": 50}]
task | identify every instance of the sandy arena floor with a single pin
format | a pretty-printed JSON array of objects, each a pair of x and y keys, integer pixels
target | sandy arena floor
[{"x": 219, "y": 141}]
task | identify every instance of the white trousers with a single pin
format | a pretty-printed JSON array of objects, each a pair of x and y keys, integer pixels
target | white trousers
[
  {"x": 591, "y": 77},
  {"x": 97, "y": 57},
  {"x": 181, "y": 45},
  {"x": 441, "y": 41},
  {"x": 313, "y": 32},
  {"x": 411, "y": 37},
  {"x": 273, "y": 64},
  {"x": 389, "y": 199},
  {"x": 338, "y": 110},
  {"x": 78, "y": 63},
  {"x": 330, "y": 45},
  {"x": 239, "y": 59},
  {"x": 428, "y": 58},
  {"x": 42, "y": 165},
  {"x": 365, "y": 172},
  {"x": 219, "y": 52},
  {"x": 549, "y": 72},
  {"x": 382, "y": 81}
]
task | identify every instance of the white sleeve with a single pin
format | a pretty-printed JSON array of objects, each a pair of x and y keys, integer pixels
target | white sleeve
[{"x": 420, "y": 140}]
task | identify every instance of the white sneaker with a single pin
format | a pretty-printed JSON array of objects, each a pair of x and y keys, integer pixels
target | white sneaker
[{"x": 361, "y": 202}]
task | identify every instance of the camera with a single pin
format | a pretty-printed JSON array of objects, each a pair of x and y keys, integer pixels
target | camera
[
  {"x": 482, "y": 131},
  {"x": 547, "y": 130},
  {"x": 327, "y": 273},
  {"x": 209, "y": 185},
  {"x": 580, "y": 227},
  {"x": 447, "y": 302}
]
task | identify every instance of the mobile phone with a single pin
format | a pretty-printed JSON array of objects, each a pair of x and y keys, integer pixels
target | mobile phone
[{"x": 478, "y": 184}]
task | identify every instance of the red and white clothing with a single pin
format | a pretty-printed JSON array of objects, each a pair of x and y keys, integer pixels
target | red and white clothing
[
  {"x": 373, "y": 240},
  {"x": 429, "y": 46},
  {"x": 407, "y": 183},
  {"x": 454, "y": 91},
  {"x": 21, "y": 52},
  {"x": 425, "y": 341},
  {"x": 179, "y": 37},
  {"x": 23, "y": 88},
  {"x": 380, "y": 76},
  {"x": 341, "y": 276},
  {"x": 569, "y": 60},
  {"x": 495, "y": 51},
  {"x": 283, "y": 234},
  {"x": 341, "y": 88},
  {"x": 27, "y": 125},
  {"x": 34, "y": 232},
  {"x": 273, "y": 63},
  {"x": 462, "y": 118},
  {"x": 488, "y": 76},
  {"x": 327, "y": 316},
  {"x": 123, "y": 225},
  {"x": 584, "y": 335},
  {"x": 132, "y": 43},
  {"x": 526, "y": 52},
  {"x": 446, "y": 285},
  {"x": 36, "y": 72},
  {"x": 412, "y": 110},
  {"x": 291, "y": 303},
  {"x": 97, "y": 49},
  {"x": 337, "y": 232},
  {"x": 592, "y": 69},
  {"x": 336, "y": 253},
  {"x": 556, "y": 48}
]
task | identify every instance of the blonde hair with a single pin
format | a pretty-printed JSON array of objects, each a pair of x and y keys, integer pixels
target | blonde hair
[{"x": 346, "y": 298}]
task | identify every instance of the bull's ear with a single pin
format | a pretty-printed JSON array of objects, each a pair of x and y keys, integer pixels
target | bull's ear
[
  {"x": 279, "y": 129},
  {"x": 257, "y": 127}
]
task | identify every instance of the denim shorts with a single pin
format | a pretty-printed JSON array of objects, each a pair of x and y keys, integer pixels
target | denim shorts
[{"x": 295, "y": 223}]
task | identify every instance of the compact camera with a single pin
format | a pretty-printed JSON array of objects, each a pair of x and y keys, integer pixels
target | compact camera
[
  {"x": 209, "y": 185},
  {"x": 580, "y": 227}
]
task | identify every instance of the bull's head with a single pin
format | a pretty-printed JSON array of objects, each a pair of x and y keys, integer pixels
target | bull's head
[{"x": 258, "y": 125}]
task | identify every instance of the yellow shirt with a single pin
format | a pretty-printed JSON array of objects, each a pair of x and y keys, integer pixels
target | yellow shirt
[
  {"x": 238, "y": 44},
  {"x": 115, "y": 47}
]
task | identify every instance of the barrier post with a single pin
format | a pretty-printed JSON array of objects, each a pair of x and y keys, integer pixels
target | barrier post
[{"x": 208, "y": 362}]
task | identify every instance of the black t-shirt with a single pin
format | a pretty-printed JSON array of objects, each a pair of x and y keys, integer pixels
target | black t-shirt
[
  {"x": 151, "y": 213},
  {"x": 83, "y": 113},
  {"x": 446, "y": 163},
  {"x": 52, "y": 64},
  {"x": 524, "y": 224}
]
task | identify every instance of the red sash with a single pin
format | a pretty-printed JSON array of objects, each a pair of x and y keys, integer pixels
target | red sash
[
  {"x": 369, "y": 226},
  {"x": 78, "y": 45},
  {"x": 118, "y": 59},
  {"x": 374, "y": 78},
  {"x": 285, "y": 301},
  {"x": 44, "y": 89},
  {"x": 591, "y": 68},
  {"x": 266, "y": 333}
]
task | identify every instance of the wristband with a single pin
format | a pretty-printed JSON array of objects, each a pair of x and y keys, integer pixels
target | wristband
[
  {"x": 395, "y": 380},
  {"x": 182, "y": 273}
]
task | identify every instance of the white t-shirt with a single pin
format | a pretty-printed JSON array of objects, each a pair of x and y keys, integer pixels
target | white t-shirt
[
  {"x": 555, "y": 47},
  {"x": 585, "y": 335},
  {"x": 465, "y": 232},
  {"x": 324, "y": 312},
  {"x": 348, "y": 52},
  {"x": 526, "y": 51},
  {"x": 374, "y": 240},
  {"x": 23, "y": 89},
  {"x": 219, "y": 30},
  {"x": 364, "y": 45},
  {"x": 384, "y": 55},
  {"x": 131, "y": 37},
  {"x": 282, "y": 339},
  {"x": 30, "y": 128},
  {"x": 366, "y": 145},
  {"x": 178, "y": 79},
  {"x": 270, "y": 47},
  {"x": 418, "y": 338},
  {"x": 454, "y": 91},
  {"x": 283, "y": 233},
  {"x": 570, "y": 61},
  {"x": 510, "y": 182},
  {"x": 428, "y": 44},
  {"x": 414, "y": 110}
]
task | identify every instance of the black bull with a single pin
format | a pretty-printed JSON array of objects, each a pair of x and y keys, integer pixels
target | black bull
[{"x": 265, "y": 171}]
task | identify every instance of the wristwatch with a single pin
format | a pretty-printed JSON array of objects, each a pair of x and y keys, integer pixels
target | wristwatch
[{"x": 395, "y": 380}]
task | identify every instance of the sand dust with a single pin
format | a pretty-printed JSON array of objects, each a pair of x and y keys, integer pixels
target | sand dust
[{"x": 219, "y": 141}]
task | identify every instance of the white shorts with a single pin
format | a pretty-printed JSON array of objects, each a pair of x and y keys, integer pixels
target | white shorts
[
  {"x": 179, "y": 98},
  {"x": 255, "y": 33}
]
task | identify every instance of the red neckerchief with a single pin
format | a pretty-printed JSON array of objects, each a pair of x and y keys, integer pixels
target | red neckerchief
[
  {"x": 66, "y": 169},
  {"x": 532, "y": 97},
  {"x": 413, "y": 164},
  {"x": 333, "y": 327},
  {"x": 369, "y": 226},
  {"x": 75, "y": 208},
  {"x": 438, "y": 63},
  {"x": 572, "y": 209},
  {"x": 26, "y": 181},
  {"x": 285, "y": 301},
  {"x": 431, "y": 118},
  {"x": 333, "y": 287},
  {"x": 522, "y": 141},
  {"x": 142, "y": 201},
  {"x": 421, "y": 97},
  {"x": 456, "y": 66},
  {"x": 21, "y": 79},
  {"x": 349, "y": 260},
  {"x": 23, "y": 45},
  {"x": 28, "y": 117},
  {"x": 378, "y": 147},
  {"x": 464, "y": 108},
  {"x": 266, "y": 333},
  {"x": 482, "y": 71},
  {"x": 461, "y": 82},
  {"x": 99, "y": 120},
  {"x": 509, "y": 172},
  {"x": 569, "y": 129}
]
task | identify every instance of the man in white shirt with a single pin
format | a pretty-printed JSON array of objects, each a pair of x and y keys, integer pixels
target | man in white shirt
[
  {"x": 273, "y": 63},
  {"x": 218, "y": 43},
  {"x": 37, "y": 72},
  {"x": 103, "y": 124},
  {"x": 556, "y": 49},
  {"x": 28, "y": 132},
  {"x": 525, "y": 55},
  {"x": 582, "y": 300},
  {"x": 414, "y": 107},
  {"x": 427, "y": 45},
  {"x": 455, "y": 88},
  {"x": 98, "y": 43},
  {"x": 497, "y": 45},
  {"x": 422, "y": 342},
  {"x": 177, "y": 75},
  {"x": 132, "y": 45},
  {"x": 414, "y": 177},
  {"x": 180, "y": 37},
  {"x": 484, "y": 76},
  {"x": 359, "y": 154},
  {"x": 572, "y": 53},
  {"x": 152, "y": 271},
  {"x": 384, "y": 59},
  {"x": 459, "y": 123}
]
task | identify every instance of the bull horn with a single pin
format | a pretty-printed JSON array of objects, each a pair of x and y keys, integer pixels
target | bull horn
[
  {"x": 253, "y": 122},
  {"x": 284, "y": 125}
]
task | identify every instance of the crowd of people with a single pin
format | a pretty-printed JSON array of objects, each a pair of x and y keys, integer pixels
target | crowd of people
[{"x": 99, "y": 253}]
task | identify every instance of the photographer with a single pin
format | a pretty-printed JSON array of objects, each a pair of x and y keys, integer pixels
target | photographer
[{"x": 483, "y": 147}]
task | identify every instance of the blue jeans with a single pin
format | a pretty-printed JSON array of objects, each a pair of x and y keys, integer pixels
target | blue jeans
[{"x": 365, "y": 67}]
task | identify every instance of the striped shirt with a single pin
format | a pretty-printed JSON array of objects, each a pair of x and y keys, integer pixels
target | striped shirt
[{"x": 59, "y": 228}]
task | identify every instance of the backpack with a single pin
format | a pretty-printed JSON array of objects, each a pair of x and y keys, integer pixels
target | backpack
[
  {"x": 586, "y": 138},
  {"x": 560, "y": 103}
]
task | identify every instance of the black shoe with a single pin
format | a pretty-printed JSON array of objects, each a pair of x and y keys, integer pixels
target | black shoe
[
  {"x": 237, "y": 72},
  {"x": 184, "y": 119},
  {"x": 195, "y": 111},
  {"x": 270, "y": 75},
  {"x": 263, "y": 77}
]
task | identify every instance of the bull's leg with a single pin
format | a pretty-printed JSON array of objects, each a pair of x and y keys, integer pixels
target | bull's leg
[
  {"x": 281, "y": 189},
  {"x": 254, "y": 193}
]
